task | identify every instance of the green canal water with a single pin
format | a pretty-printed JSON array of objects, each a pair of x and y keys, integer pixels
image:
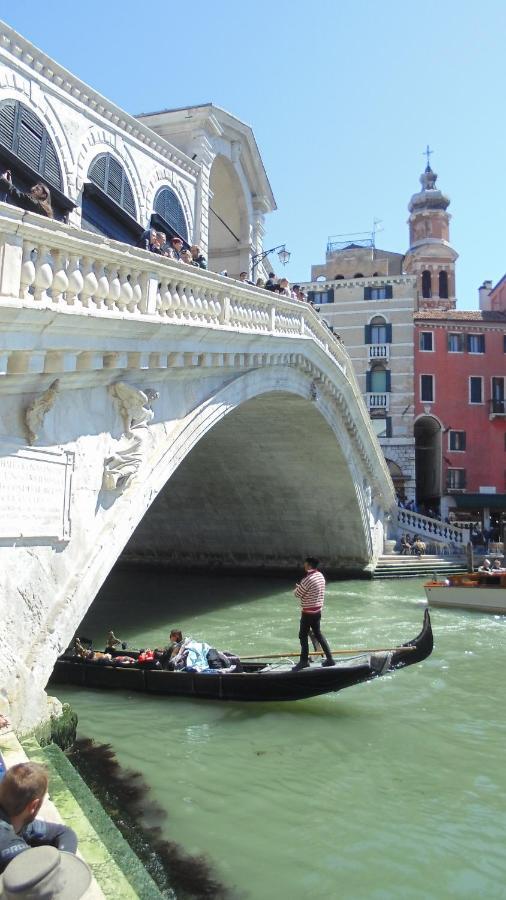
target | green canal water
[{"x": 392, "y": 789}]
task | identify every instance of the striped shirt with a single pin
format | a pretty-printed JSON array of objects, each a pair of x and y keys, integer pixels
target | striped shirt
[{"x": 311, "y": 592}]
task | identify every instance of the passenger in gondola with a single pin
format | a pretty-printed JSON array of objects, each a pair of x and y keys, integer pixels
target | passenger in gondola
[
  {"x": 498, "y": 568},
  {"x": 485, "y": 567},
  {"x": 167, "y": 655},
  {"x": 93, "y": 656}
]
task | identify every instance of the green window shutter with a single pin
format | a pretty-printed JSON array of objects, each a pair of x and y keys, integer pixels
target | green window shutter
[
  {"x": 388, "y": 338},
  {"x": 463, "y": 441},
  {"x": 389, "y": 426},
  {"x": 388, "y": 292},
  {"x": 367, "y": 293},
  {"x": 388, "y": 386},
  {"x": 310, "y": 295},
  {"x": 368, "y": 376},
  {"x": 330, "y": 295},
  {"x": 368, "y": 334}
]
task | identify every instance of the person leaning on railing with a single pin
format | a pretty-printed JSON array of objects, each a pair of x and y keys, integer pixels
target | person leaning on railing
[{"x": 38, "y": 198}]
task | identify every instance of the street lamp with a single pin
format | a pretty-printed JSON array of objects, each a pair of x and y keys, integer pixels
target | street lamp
[{"x": 283, "y": 256}]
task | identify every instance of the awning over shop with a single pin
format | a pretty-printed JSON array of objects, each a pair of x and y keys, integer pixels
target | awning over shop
[{"x": 480, "y": 501}]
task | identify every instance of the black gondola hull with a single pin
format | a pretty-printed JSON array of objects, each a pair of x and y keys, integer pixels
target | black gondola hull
[{"x": 249, "y": 685}]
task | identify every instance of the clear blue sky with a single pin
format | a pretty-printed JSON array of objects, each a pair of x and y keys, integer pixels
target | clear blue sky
[{"x": 342, "y": 96}]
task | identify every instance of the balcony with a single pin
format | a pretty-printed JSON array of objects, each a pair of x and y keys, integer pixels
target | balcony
[
  {"x": 378, "y": 401},
  {"x": 378, "y": 351},
  {"x": 496, "y": 409}
]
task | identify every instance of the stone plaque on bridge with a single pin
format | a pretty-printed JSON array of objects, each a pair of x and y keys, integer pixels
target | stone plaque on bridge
[{"x": 35, "y": 494}]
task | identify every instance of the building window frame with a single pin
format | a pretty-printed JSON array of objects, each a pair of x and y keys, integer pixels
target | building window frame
[
  {"x": 424, "y": 385},
  {"x": 424, "y": 339},
  {"x": 455, "y": 479},
  {"x": 459, "y": 341},
  {"x": 475, "y": 379},
  {"x": 458, "y": 440},
  {"x": 473, "y": 339},
  {"x": 379, "y": 292},
  {"x": 387, "y": 427}
]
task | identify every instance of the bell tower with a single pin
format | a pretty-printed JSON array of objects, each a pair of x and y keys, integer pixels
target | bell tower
[{"x": 430, "y": 256}]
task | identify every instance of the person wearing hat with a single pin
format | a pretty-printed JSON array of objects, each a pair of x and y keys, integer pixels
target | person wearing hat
[
  {"x": 45, "y": 872},
  {"x": 22, "y": 791}
]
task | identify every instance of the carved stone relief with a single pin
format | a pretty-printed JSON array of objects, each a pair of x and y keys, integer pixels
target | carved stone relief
[
  {"x": 136, "y": 411},
  {"x": 38, "y": 409}
]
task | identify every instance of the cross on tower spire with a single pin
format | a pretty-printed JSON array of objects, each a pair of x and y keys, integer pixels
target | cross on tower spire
[{"x": 428, "y": 153}]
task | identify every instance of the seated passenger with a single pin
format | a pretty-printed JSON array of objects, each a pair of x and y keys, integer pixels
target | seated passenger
[
  {"x": 172, "y": 649},
  {"x": 22, "y": 791},
  {"x": 94, "y": 656},
  {"x": 498, "y": 567},
  {"x": 485, "y": 566}
]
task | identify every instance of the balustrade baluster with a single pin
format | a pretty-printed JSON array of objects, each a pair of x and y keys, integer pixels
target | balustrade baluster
[
  {"x": 137, "y": 293},
  {"x": 43, "y": 275},
  {"x": 126, "y": 291},
  {"x": 60, "y": 279},
  {"x": 90, "y": 283},
  {"x": 76, "y": 280},
  {"x": 27, "y": 271},
  {"x": 114, "y": 290},
  {"x": 102, "y": 290}
]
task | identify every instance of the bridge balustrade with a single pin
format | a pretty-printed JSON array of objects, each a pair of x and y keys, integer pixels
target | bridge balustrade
[{"x": 432, "y": 529}]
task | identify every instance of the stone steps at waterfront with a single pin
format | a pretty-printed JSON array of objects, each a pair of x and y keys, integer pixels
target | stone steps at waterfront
[{"x": 397, "y": 566}]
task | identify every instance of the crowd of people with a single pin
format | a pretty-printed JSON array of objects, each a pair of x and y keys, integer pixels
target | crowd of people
[{"x": 156, "y": 242}]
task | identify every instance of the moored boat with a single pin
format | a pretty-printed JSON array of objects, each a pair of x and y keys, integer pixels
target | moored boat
[
  {"x": 258, "y": 682},
  {"x": 474, "y": 590}
]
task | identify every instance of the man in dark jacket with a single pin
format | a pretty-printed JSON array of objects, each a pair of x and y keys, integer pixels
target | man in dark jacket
[
  {"x": 270, "y": 284},
  {"x": 22, "y": 791}
]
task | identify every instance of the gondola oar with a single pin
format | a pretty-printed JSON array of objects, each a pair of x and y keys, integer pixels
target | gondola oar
[{"x": 358, "y": 651}]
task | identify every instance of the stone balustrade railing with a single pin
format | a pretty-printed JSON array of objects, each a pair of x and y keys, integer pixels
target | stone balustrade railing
[
  {"x": 47, "y": 264},
  {"x": 432, "y": 529}
]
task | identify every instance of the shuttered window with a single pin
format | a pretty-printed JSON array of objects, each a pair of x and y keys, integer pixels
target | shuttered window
[
  {"x": 169, "y": 208},
  {"x": 23, "y": 134},
  {"x": 106, "y": 172}
]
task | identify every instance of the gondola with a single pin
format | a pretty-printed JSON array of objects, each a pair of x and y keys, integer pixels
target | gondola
[{"x": 258, "y": 681}]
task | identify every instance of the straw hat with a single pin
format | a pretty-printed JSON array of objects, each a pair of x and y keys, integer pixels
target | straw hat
[{"x": 45, "y": 873}]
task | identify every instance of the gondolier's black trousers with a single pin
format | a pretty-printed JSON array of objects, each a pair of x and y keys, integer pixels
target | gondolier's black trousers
[{"x": 308, "y": 621}]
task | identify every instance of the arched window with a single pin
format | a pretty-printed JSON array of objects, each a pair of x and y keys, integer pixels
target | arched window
[
  {"x": 443, "y": 285},
  {"x": 24, "y": 135},
  {"x": 378, "y": 330},
  {"x": 358, "y": 275},
  {"x": 106, "y": 172},
  {"x": 321, "y": 278},
  {"x": 338, "y": 277},
  {"x": 426, "y": 284},
  {"x": 167, "y": 206}
]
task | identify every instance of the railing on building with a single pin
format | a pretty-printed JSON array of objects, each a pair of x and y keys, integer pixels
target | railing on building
[
  {"x": 379, "y": 351},
  {"x": 378, "y": 401},
  {"x": 497, "y": 408},
  {"x": 455, "y": 537}
]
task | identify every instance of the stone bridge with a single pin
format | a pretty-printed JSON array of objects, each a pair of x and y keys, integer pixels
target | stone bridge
[{"x": 159, "y": 411}]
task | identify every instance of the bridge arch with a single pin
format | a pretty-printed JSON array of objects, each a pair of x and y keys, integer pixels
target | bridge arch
[{"x": 292, "y": 511}]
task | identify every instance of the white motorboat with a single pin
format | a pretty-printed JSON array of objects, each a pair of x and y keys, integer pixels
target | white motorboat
[{"x": 473, "y": 590}]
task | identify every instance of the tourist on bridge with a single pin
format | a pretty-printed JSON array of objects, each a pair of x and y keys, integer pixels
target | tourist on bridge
[
  {"x": 22, "y": 792},
  {"x": 38, "y": 198},
  {"x": 311, "y": 593},
  {"x": 198, "y": 258}
]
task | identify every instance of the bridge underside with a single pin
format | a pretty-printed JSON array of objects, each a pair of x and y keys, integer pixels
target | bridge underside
[{"x": 265, "y": 487}]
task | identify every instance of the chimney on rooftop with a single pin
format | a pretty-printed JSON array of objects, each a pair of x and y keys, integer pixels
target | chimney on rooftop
[{"x": 483, "y": 294}]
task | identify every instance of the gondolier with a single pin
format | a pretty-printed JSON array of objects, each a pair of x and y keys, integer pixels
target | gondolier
[{"x": 311, "y": 593}]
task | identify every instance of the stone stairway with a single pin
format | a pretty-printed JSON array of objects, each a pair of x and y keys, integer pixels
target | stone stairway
[{"x": 393, "y": 565}]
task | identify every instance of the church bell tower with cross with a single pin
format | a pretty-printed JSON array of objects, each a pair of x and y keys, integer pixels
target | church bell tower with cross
[{"x": 430, "y": 256}]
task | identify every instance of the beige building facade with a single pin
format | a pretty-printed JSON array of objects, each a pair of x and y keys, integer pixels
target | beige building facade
[{"x": 373, "y": 315}]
